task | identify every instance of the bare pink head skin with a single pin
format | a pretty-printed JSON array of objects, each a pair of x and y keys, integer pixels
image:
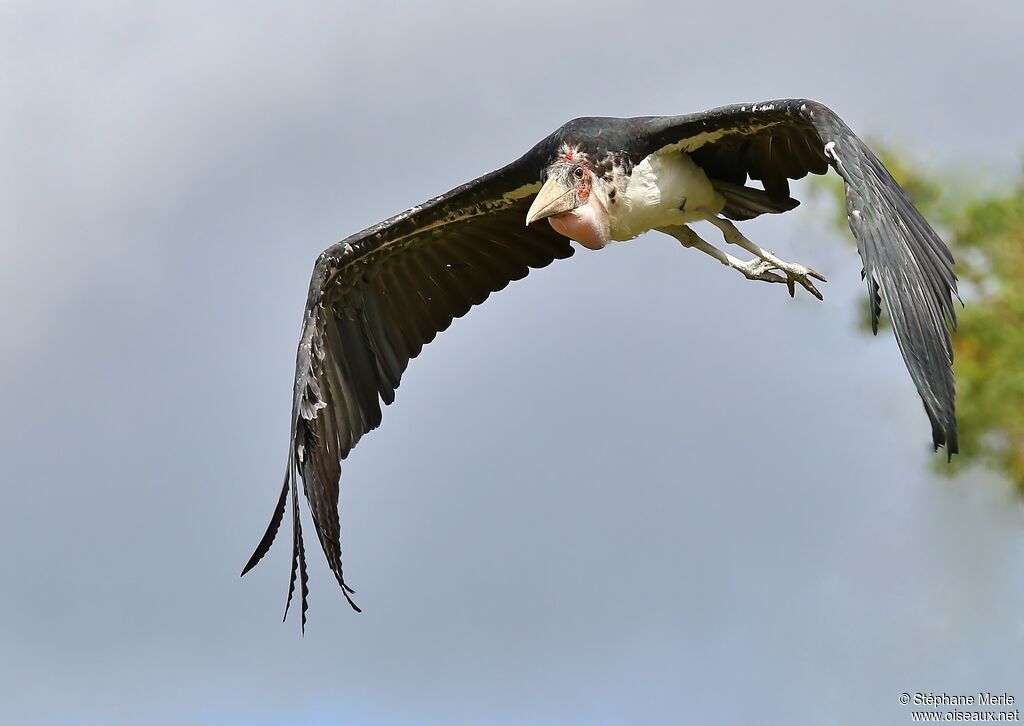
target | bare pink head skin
[{"x": 569, "y": 204}]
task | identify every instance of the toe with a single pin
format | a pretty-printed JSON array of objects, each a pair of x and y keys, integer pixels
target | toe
[{"x": 809, "y": 286}]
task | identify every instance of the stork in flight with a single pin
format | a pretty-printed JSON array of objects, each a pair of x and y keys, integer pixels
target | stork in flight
[{"x": 377, "y": 297}]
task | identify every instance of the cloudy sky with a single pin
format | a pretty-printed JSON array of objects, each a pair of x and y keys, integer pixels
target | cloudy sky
[{"x": 633, "y": 488}]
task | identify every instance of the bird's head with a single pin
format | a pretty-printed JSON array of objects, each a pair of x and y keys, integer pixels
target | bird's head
[{"x": 567, "y": 200}]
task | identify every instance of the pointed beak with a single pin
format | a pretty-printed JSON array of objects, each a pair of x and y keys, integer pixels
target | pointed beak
[{"x": 553, "y": 198}]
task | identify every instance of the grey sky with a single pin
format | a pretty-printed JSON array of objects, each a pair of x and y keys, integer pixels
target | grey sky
[{"x": 631, "y": 488}]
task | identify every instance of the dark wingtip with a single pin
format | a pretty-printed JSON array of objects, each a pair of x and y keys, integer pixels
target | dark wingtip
[
  {"x": 268, "y": 537},
  {"x": 952, "y": 446},
  {"x": 304, "y": 587},
  {"x": 345, "y": 591},
  {"x": 944, "y": 434},
  {"x": 298, "y": 566},
  {"x": 951, "y": 449},
  {"x": 945, "y": 437}
]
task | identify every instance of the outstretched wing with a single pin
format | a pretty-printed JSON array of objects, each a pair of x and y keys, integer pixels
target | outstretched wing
[
  {"x": 906, "y": 265},
  {"x": 375, "y": 299}
]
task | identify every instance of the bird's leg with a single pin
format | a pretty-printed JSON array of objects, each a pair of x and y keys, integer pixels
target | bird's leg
[
  {"x": 794, "y": 272},
  {"x": 756, "y": 269}
]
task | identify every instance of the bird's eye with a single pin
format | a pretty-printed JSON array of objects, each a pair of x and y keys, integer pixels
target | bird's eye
[{"x": 578, "y": 172}]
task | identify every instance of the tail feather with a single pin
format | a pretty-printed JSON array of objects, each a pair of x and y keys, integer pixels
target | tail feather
[{"x": 743, "y": 202}]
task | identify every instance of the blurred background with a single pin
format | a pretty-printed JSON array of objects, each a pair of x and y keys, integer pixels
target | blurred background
[{"x": 632, "y": 488}]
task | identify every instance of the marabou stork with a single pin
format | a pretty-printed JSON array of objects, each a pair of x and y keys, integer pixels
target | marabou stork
[{"x": 377, "y": 297}]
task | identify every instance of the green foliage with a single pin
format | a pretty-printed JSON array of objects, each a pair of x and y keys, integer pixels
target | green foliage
[{"x": 985, "y": 231}]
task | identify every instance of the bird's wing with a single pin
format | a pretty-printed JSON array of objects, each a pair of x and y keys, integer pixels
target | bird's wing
[
  {"x": 375, "y": 299},
  {"x": 906, "y": 265}
]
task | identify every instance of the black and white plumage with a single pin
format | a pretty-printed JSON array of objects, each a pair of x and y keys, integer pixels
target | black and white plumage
[{"x": 377, "y": 297}]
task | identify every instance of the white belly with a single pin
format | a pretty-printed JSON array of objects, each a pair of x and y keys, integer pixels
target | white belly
[{"x": 663, "y": 191}]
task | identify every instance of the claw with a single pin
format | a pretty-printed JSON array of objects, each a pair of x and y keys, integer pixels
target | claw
[
  {"x": 758, "y": 269},
  {"x": 815, "y": 274},
  {"x": 801, "y": 274}
]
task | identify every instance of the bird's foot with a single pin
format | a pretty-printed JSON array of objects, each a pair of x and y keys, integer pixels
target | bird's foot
[
  {"x": 800, "y": 274},
  {"x": 756, "y": 269},
  {"x": 767, "y": 271}
]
